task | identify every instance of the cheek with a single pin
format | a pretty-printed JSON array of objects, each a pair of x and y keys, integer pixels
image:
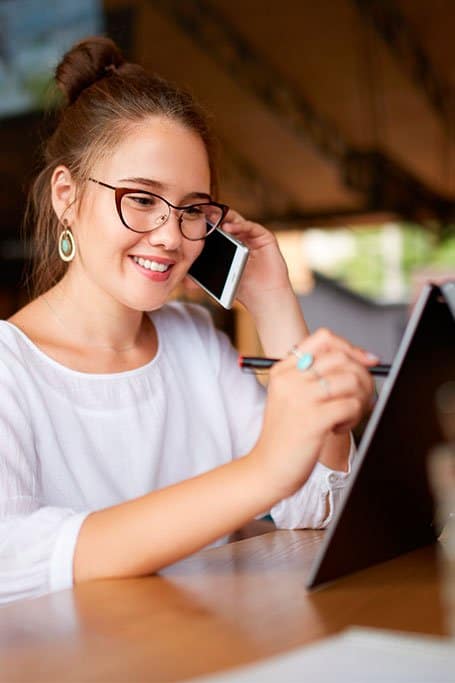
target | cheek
[
  {"x": 104, "y": 236},
  {"x": 192, "y": 251}
]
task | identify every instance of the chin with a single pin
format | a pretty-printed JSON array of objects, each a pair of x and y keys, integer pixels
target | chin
[
  {"x": 146, "y": 295},
  {"x": 146, "y": 302}
]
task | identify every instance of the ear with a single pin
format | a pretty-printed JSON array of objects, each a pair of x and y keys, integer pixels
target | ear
[{"x": 63, "y": 190}]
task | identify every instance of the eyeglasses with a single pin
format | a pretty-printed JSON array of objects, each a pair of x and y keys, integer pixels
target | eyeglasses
[{"x": 143, "y": 211}]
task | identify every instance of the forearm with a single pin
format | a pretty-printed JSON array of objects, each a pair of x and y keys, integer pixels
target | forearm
[
  {"x": 279, "y": 321},
  {"x": 139, "y": 537}
]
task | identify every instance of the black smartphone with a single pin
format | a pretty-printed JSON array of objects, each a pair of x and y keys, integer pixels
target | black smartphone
[{"x": 219, "y": 267}]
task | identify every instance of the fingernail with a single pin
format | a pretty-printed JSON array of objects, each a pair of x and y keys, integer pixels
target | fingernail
[{"x": 372, "y": 356}]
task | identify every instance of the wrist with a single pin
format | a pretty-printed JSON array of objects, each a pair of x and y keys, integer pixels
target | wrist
[
  {"x": 277, "y": 480},
  {"x": 279, "y": 321},
  {"x": 335, "y": 452}
]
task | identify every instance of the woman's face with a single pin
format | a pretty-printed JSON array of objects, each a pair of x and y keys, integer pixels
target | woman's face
[{"x": 160, "y": 156}]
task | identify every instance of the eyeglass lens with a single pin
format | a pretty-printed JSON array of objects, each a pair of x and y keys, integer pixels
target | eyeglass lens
[{"x": 144, "y": 212}]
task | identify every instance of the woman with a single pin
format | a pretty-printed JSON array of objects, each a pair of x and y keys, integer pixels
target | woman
[{"x": 129, "y": 438}]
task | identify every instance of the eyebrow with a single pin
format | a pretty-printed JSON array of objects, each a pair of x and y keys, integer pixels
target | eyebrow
[{"x": 157, "y": 185}]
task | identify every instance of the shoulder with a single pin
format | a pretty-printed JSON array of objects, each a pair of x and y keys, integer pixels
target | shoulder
[
  {"x": 19, "y": 335},
  {"x": 13, "y": 354},
  {"x": 10, "y": 339},
  {"x": 31, "y": 321},
  {"x": 21, "y": 327}
]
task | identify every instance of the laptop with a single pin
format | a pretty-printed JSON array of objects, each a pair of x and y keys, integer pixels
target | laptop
[{"x": 387, "y": 508}]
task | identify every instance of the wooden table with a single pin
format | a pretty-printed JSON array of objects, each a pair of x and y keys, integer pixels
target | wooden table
[{"x": 219, "y": 608}]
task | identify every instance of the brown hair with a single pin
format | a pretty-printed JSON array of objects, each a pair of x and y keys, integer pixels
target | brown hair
[{"x": 104, "y": 95}]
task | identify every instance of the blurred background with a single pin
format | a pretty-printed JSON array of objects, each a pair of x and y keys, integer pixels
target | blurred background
[{"x": 336, "y": 123}]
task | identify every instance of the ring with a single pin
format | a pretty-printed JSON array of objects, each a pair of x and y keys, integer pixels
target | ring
[
  {"x": 325, "y": 384},
  {"x": 316, "y": 373},
  {"x": 304, "y": 360}
]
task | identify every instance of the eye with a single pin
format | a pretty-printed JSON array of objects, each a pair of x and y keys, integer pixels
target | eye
[
  {"x": 193, "y": 212},
  {"x": 140, "y": 201}
]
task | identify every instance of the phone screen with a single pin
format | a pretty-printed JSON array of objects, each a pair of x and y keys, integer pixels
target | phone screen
[{"x": 212, "y": 265}]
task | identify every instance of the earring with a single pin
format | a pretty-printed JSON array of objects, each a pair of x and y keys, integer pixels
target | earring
[{"x": 66, "y": 243}]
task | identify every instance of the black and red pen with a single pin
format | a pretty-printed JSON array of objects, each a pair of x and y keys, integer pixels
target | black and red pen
[{"x": 258, "y": 363}]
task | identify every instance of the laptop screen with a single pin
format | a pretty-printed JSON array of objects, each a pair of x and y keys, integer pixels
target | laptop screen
[{"x": 388, "y": 508}]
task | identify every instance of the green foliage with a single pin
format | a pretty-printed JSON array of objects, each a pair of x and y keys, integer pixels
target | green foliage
[
  {"x": 444, "y": 252},
  {"x": 365, "y": 271}
]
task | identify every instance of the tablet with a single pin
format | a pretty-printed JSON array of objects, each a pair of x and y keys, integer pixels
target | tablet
[{"x": 387, "y": 507}]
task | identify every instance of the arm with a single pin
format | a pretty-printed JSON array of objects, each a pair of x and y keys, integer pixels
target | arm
[
  {"x": 267, "y": 293},
  {"x": 145, "y": 534}
]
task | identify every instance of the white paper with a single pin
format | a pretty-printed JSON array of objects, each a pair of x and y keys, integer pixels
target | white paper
[{"x": 355, "y": 656}]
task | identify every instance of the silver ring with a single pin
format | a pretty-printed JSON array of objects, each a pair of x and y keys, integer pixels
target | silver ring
[
  {"x": 325, "y": 384},
  {"x": 316, "y": 373},
  {"x": 294, "y": 350}
]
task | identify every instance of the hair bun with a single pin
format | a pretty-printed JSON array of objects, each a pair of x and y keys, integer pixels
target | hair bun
[{"x": 87, "y": 62}]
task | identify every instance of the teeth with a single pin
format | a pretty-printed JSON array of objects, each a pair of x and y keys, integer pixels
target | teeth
[{"x": 151, "y": 265}]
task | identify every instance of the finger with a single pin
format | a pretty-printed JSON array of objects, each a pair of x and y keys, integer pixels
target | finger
[
  {"x": 324, "y": 341},
  {"x": 339, "y": 362},
  {"x": 343, "y": 385},
  {"x": 321, "y": 388},
  {"x": 233, "y": 217},
  {"x": 341, "y": 414},
  {"x": 244, "y": 228}
]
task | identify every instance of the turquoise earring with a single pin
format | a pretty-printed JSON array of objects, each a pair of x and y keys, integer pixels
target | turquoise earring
[{"x": 66, "y": 243}]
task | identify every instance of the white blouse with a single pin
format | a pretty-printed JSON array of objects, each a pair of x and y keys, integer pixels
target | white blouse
[{"x": 73, "y": 442}]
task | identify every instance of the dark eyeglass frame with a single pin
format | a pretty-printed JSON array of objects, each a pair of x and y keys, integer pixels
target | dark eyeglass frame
[{"x": 120, "y": 192}]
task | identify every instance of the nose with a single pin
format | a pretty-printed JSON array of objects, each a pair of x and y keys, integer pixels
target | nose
[{"x": 167, "y": 235}]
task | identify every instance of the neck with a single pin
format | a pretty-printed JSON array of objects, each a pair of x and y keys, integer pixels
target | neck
[{"x": 93, "y": 319}]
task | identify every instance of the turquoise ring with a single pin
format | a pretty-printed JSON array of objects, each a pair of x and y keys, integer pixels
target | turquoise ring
[{"x": 305, "y": 361}]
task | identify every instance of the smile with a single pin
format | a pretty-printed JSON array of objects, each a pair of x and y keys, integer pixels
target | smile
[{"x": 151, "y": 265}]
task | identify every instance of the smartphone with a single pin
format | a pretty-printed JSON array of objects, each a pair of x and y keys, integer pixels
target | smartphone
[{"x": 219, "y": 267}]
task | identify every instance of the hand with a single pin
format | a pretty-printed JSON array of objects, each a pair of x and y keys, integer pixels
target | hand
[
  {"x": 304, "y": 407},
  {"x": 266, "y": 269},
  {"x": 265, "y": 289}
]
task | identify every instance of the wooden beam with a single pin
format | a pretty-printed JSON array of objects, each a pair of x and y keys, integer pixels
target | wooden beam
[
  {"x": 213, "y": 32},
  {"x": 392, "y": 27}
]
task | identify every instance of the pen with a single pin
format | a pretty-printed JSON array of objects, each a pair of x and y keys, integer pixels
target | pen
[{"x": 262, "y": 363}]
